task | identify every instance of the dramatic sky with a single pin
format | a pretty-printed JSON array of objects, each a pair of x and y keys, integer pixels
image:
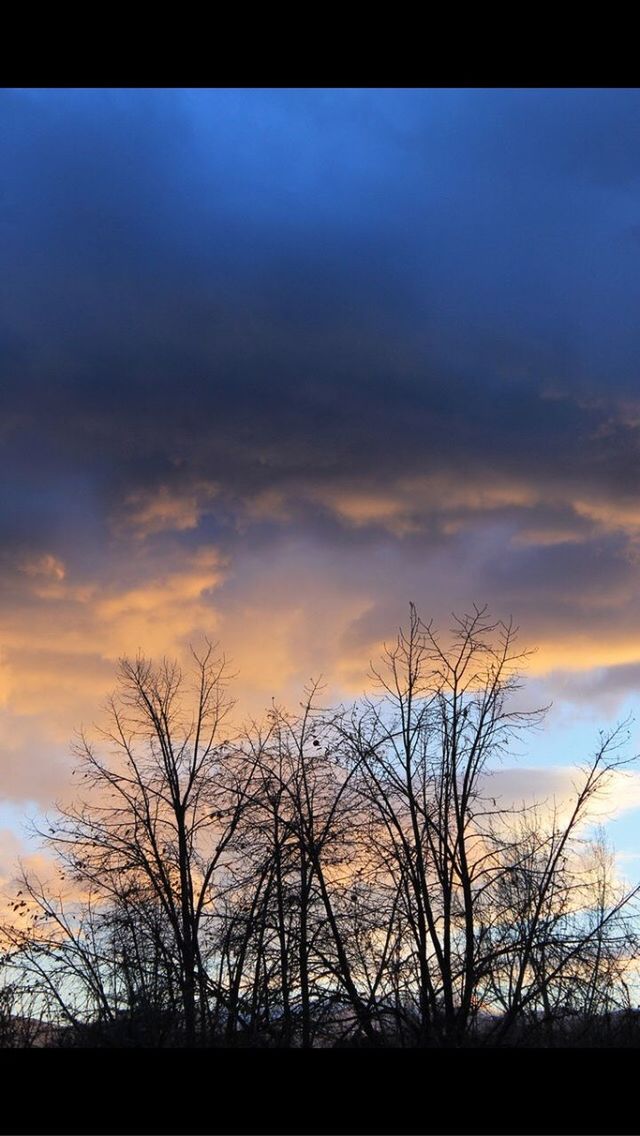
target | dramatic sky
[{"x": 275, "y": 363}]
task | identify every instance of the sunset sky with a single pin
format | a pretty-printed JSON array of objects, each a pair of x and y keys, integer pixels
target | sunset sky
[{"x": 276, "y": 363}]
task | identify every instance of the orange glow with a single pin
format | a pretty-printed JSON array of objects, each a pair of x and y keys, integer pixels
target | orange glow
[
  {"x": 283, "y": 614},
  {"x": 165, "y": 510}
]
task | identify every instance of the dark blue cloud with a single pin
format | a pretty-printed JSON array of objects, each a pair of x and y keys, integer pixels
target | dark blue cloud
[{"x": 286, "y": 287}]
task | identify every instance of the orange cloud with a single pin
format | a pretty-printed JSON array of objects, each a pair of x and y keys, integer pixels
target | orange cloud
[
  {"x": 166, "y": 510},
  {"x": 47, "y": 572},
  {"x": 610, "y": 516},
  {"x": 404, "y": 507},
  {"x": 284, "y": 611},
  {"x": 583, "y": 652},
  {"x": 455, "y": 501},
  {"x": 547, "y": 537},
  {"x": 59, "y": 648}
]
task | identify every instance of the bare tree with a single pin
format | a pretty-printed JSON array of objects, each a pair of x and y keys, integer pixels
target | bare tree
[
  {"x": 424, "y": 752},
  {"x": 330, "y": 876},
  {"x": 302, "y": 838},
  {"x": 159, "y": 808},
  {"x": 562, "y": 928}
]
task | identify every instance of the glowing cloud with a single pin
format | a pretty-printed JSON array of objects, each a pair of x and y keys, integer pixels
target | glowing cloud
[{"x": 167, "y": 510}]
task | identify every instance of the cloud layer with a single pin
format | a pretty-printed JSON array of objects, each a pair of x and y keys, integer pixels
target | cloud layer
[{"x": 275, "y": 363}]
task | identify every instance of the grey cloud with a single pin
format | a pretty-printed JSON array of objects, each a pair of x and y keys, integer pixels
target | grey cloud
[{"x": 292, "y": 290}]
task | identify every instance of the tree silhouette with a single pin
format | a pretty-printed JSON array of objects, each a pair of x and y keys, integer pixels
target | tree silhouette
[{"x": 330, "y": 876}]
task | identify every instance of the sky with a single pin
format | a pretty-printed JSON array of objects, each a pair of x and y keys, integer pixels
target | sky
[{"x": 275, "y": 363}]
